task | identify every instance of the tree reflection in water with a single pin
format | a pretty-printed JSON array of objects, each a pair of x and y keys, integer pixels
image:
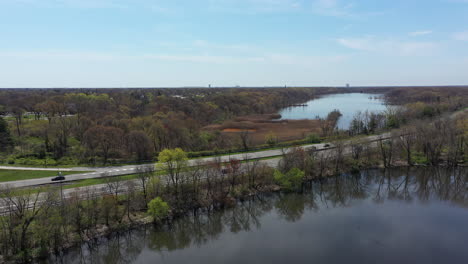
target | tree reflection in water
[{"x": 196, "y": 230}]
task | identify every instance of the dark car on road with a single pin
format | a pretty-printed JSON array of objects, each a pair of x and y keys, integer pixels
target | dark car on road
[{"x": 58, "y": 178}]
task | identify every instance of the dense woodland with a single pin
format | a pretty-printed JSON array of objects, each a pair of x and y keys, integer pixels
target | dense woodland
[
  {"x": 71, "y": 126},
  {"x": 48, "y": 127}
]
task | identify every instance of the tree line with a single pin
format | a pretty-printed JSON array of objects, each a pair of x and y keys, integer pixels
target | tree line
[{"x": 70, "y": 126}]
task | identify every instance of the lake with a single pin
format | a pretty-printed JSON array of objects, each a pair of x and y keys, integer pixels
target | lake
[
  {"x": 348, "y": 104},
  {"x": 376, "y": 216}
]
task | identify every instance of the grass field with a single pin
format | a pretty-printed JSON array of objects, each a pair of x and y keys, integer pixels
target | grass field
[
  {"x": 19, "y": 175},
  {"x": 96, "y": 181}
]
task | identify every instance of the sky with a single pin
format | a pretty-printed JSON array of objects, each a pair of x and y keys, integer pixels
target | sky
[{"x": 175, "y": 43}]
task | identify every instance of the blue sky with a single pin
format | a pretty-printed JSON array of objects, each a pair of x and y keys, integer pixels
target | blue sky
[{"x": 136, "y": 43}]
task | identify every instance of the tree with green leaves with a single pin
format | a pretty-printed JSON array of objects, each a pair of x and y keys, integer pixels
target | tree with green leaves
[
  {"x": 6, "y": 141},
  {"x": 158, "y": 209},
  {"x": 174, "y": 161},
  {"x": 291, "y": 180}
]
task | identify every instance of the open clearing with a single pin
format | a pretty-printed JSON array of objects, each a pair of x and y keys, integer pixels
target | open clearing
[{"x": 19, "y": 175}]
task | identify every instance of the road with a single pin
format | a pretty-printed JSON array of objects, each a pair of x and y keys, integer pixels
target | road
[
  {"x": 132, "y": 169},
  {"x": 99, "y": 189}
]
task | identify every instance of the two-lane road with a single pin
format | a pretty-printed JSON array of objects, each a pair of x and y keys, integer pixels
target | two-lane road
[{"x": 132, "y": 169}]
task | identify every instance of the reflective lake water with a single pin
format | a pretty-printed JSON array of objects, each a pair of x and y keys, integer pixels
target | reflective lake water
[
  {"x": 392, "y": 216},
  {"x": 348, "y": 104}
]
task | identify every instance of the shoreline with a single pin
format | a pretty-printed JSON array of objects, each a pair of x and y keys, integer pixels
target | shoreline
[{"x": 141, "y": 219}]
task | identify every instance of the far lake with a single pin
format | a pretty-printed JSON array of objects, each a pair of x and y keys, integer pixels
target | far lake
[
  {"x": 348, "y": 104},
  {"x": 376, "y": 216}
]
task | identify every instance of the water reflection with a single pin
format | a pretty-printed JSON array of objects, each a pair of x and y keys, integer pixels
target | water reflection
[{"x": 404, "y": 215}]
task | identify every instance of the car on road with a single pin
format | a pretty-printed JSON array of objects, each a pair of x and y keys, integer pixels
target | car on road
[{"x": 58, "y": 178}]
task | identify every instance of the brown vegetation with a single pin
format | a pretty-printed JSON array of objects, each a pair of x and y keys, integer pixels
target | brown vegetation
[{"x": 259, "y": 127}]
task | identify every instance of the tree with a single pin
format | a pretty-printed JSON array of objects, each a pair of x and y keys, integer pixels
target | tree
[
  {"x": 23, "y": 209},
  {"x": 406, "y": 140},
  {"x": 144, "y": 174},
  {"x": 174, "y": 161},
  {"x": 292, "y": 158},
  {"x": 328, "y": 125},
  {"x": 158, "y": 209},
  {"x": 114, "y": 184},
  {"x": 103, "y": 138},
  {"x": 356, "y": 148},
  {"x": 139, "y": 145},
  {"x": 6, "y": 141},
  {"x": 18, "y": 113},
  {"x": 61, "y": 127},
  {"x": 245, "y": 139},
  {"x": 290, "y": 181},
  {"x": 386, "y": 151}
]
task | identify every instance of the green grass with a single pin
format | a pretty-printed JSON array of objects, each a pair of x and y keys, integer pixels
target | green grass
[
  {"x": 62, "y": 166},
  {"x": 19, "y": 175},
  {"x": 96, "y": 181}
]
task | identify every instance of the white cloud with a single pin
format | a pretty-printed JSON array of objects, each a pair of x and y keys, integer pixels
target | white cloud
[
  {"x": 253, "y": 6},
  {"x": 420, "y": 33},
  {"x": 389, "y": 46},
  {"x": 462, "y": 36},
  {"x": 201, "y": 58},
  {"x": 71, "y": 56},
  {"x": 216, "y": 47},
  {"x": 119, "y": 4},
  {"x": 332, "y": 8},
  {"x": 341, "y": 9},
  {"x": 95, "y": 4},
  {"x": 63, "y": 55}
]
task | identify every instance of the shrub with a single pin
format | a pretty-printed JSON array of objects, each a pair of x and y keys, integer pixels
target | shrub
[
  {"x": 419, "y": 158},
  {"x": 271, "y": 139},
  {"x": 67, "y": 161},
  {"x": 158, "y": 209},
  {"x": 314, "y": 138},
  {"x": 290, "y": 181}
]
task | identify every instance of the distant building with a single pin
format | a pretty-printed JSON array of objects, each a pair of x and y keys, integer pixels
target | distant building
[{"x": 347, "y": 85}]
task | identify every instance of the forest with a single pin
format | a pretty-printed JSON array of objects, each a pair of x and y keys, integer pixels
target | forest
[
  {"x": 51, "y": 127},
  {"x": 89, "y": 126}
]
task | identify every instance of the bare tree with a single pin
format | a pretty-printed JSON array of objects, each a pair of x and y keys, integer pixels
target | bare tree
[
  {"x": 406, "y": 141},
  {"x": 22, "y": 209},
  {"x": 386, "y": 151},
  {"x": 338, "y": 155},
  {"x": 114, "y": 184},
  {"x": 145, "y": 173},
  {"x": 245, "y": 139},
  {"x": 129, "y": 198},
  {"x": 356, "y": 148}
]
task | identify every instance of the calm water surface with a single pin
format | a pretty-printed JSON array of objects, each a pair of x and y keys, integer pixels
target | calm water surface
[
  {"x": 393, "y": 216},
  {"x": 348, "y": 104}
]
